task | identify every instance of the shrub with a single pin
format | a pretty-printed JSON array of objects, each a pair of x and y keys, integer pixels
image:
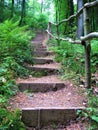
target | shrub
[
  {"x": 14, "y": 52},
  {"x": 10, "y": 120},
  {"x": 14, "y": 45},
  {"x": 70, "y": 56}
]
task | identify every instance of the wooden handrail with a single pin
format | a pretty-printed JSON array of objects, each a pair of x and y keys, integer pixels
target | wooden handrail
[
  {"x": 84, "y": 40},
  {"x": 89, "y": 36},
  {"x": 65, "y": 39}
]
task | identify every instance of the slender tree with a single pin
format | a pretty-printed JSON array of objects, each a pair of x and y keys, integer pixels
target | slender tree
[
  {"x": 42, "y": 3},
  {"x": 71, "y": 7},
  {"x": 23, "y": 12},
  {"x": 80, "y": 20},
  {"x": 33, "y": 6},
  {"x": 63, "y": 10},
  {"x": 57, "y": 14},
  {"x": 12, "y": 11},
  {"x": 93, "y": 15},
  {"x": 1, "y": 10}
]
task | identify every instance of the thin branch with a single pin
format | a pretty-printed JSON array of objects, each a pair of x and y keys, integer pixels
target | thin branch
[
  {"x": 91, "y": 4},
  {"x": 89, "y": 36},
  {"x": 51, "y": 35},
  {"x": 63, "y": 39}
]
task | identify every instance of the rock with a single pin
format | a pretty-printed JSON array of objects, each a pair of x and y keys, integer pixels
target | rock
[
  {"x": 68, "y": 99},
  {"x": 85, "y": 103},
  {"x": 81, "y": 85},
  {"x": 30, "y": 76},
  {"x": 69, "y": 94},
  {"x": 96, "y": 90},
  {"x": 96, "y": 83}
]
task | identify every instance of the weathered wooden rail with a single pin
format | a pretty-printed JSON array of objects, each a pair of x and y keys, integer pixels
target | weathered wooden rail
[{"x": 84, "y": 40}]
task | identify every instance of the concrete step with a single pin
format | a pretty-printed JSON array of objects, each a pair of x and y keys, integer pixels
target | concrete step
[
  {"x": 38, "y": 60},
  {"x": 38, "y": 117}
]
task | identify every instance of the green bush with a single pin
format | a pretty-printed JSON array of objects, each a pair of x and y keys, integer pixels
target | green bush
[
  {"x": 10, "y": 120},
  {"x": 42, "y": 21},
  {"x": 14, "y": 53},
  {"x": 39, "y": 21},
  {"x": 94, "y": 55},
  {"x": 7, "y": 83},
  {"x": 70, "y": 56},
  {"x": 91, "y": 112},
  {"x": 14, "y": 45}
]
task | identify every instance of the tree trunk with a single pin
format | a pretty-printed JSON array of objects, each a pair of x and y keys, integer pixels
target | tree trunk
[
  {"x": 87, "y": 48},
  {"x": 93, "y": 14},
  {"x": 12, "y": 11},
  {"x": 23, "y": 12},
  {"x": 33, "y": 7},
  {"x": 57, "y": 6},
  {"x": 2, "y": 10},
  {"x": 71, "y": 7},
  {"x": 18, "y": 3},
  {"x": 70, "y": 12},
  {"x": 80, "y": 20},
  {"x": 42, "y": 6}
]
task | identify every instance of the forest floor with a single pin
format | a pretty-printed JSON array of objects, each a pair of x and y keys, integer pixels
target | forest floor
[{"x": 69, "y": 96}]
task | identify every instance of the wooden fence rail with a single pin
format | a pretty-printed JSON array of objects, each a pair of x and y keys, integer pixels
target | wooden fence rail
[{"x": 84, "y": 40}]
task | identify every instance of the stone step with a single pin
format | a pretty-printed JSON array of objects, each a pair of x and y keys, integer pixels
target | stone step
[
  {"x": 36, "y": 43},
  {"x": 40, "y": 87},
  {"x": 42, "y": 53},
  {"x": 47, "y": 68},
  {"x": 39, "y": 46},
  {"x": 38, "y": 117},
  {"x": 40, "y": 49},
  {"x": 39, "y": 53},
  {"x": 42, "y": 84},
  {"x": 38, "y": 60}
]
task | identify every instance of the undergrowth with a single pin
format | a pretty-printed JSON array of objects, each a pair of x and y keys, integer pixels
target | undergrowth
[
  {"x": 10, "y": 120},
  {"x": 72, "y": 56},
  {"x": 73, "y": 61},
  {"x": 14, "y": 53},
  {"x": 90, "y": 114}
]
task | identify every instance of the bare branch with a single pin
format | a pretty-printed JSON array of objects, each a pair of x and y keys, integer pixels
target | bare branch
[
  {"x": 51, "y": 35},
  {"x": 63, "y": 39},
  {"x": 89, "y": 36},
  {"x": 91, "y": 4}
]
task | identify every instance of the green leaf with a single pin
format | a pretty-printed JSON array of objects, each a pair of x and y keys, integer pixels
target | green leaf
[{"x": 95, "y": 118}]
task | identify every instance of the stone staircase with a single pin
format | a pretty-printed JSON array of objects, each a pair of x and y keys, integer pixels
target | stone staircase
[
  {"x": 39, "y": 116},
  {"x": 43, "y": 60}
]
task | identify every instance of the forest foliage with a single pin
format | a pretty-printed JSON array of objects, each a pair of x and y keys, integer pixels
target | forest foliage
[
  {"x": 18, "y": 23},
  {"x": 14, "y": 52}
]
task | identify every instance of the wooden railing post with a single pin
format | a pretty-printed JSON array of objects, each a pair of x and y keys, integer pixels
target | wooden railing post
[
  {"x": 58, "y": 41},
  {"x": 87, "y": 48},
  {"x": 49, "y": 28}
]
